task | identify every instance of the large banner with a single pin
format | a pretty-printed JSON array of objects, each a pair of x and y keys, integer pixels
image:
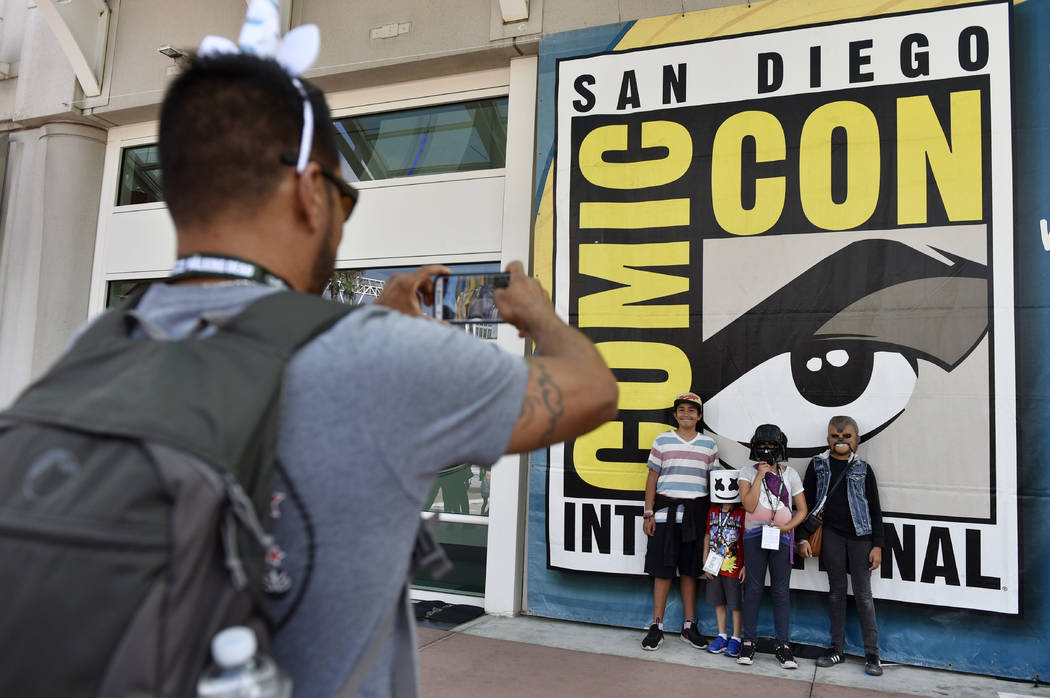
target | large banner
[{"x": 797, "y": 224}]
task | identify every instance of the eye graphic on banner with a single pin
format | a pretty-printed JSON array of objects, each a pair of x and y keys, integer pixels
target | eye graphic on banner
[{"x": 844, "y": 337}]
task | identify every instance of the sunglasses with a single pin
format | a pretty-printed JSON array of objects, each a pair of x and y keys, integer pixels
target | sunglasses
[{"x": 347, "y": 194}]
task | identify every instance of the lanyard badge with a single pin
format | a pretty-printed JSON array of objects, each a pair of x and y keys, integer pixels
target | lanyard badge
[{"x": 210, "y": 266}]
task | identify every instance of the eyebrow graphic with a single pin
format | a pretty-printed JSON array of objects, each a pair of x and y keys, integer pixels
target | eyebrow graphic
[{"x": 879, "y": 293}]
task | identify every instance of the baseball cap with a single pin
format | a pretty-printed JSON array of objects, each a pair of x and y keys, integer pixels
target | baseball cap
[{"x": 691, "y": 398}]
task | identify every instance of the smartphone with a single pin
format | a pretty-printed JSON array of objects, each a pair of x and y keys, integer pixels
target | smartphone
[{"x": 467, "y": 298}]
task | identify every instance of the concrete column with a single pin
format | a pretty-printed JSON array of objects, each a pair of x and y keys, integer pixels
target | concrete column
[
  {"x": 508, "y": 500},
  {"x": 47, "y": 240}
]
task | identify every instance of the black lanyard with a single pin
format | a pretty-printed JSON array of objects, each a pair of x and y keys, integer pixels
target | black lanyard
[{"x": 216, "y": 266}]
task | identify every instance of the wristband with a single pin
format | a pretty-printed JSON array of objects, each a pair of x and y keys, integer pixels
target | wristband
[{"x": 647, "y": 515}]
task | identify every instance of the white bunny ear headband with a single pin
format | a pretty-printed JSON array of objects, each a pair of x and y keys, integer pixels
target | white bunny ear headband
[{"x": 296, "y": 52}]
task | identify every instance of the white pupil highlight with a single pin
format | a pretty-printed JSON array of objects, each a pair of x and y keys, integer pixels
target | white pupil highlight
[
  {"x": 814, "y": 364},
  {"x": 838, "y": 357}
]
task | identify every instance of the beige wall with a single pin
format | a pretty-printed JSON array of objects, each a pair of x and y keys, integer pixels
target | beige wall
[
  {"x": 51, "y": 196},
  {"x": 443, "y": 37}
]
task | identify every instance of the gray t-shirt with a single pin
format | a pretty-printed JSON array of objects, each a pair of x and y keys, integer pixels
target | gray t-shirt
[{"x": 373, "y": 409}]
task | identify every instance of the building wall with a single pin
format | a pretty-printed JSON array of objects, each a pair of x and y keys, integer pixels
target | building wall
[{"x": 437, "y": 40}]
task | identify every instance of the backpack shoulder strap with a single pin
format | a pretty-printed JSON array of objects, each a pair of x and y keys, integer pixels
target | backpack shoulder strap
[{"x": 286, "y": 320}]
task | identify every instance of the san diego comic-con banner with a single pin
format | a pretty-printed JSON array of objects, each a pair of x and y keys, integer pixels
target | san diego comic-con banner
[{"x": 797, "y": 224}]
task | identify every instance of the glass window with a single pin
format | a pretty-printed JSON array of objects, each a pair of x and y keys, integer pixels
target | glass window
[
  {"x": 116, "y": 291},
  {"x": 466, "y": 546},
  {"x": 356, "y": 286},
  {"x": 431, "y": 140},
  {"x": 461, "y": 489},
  {"x": 139, "y": 176}
]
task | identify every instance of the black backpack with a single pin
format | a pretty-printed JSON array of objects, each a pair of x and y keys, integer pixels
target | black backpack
[{"x": 134, "y": 477}]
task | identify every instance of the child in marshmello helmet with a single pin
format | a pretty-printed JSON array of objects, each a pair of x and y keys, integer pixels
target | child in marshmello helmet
[{"x": 723, "y": 558}]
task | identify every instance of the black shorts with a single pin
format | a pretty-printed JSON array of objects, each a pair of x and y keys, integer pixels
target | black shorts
[
  {"x": 686, "y": 556},
  {"x": 724, "y": 591}
]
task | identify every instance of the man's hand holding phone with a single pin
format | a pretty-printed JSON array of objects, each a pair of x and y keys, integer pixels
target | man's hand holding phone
[
  {"x": 524, "y": 303},
  {"x": 408, "y": 293}
]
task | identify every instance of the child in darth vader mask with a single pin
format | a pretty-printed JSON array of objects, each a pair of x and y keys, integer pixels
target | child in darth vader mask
[
  {"x": 769, "y": 445},
  {"x": 772, "y": 495}
]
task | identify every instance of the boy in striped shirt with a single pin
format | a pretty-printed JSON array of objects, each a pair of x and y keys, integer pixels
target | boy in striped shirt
[{"x": 675, "y": 514}]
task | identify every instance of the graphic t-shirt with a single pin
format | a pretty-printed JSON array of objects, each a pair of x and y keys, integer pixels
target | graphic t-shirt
[
  {"x": 724, "y": 528},
  {"x": 771, "y": 508}
]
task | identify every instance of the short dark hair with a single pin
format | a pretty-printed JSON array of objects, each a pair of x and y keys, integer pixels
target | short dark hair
[{"x": 224, "y": 124}]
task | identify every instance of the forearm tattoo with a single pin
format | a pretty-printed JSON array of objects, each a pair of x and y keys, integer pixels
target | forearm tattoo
[{"x": 547, "y": 402}]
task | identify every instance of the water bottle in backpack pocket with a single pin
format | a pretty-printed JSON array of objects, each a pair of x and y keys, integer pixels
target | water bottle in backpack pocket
[{"x": 240, "y": 671}]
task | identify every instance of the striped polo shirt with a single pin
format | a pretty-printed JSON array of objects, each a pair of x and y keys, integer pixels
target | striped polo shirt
[{"x": 682, "y": 466}]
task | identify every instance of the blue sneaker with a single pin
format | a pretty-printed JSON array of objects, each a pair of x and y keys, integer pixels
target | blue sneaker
[
  {"x": 733, "y": 648},
  {"x": 718, "y": 645}
]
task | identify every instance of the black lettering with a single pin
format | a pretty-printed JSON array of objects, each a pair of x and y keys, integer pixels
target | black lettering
[
  {"x": 973, "y": 48},
  {"x": 901, "y": 551},
  {"x": 940, "y": 542},
  {"x": 770, "y": 72},
  {"x": 629, "y": 514},
  {"x": 674, "y": 82},
  {"x": 839, "y": 164},
  {"x": 814, "y": 66},
  {"x": 570, "y": 526},
  {"x": 974, "y": 578},
  {"x": 915, "y": 63},
  {"x": 581, "y": 84},
  {"x": 601, "y": 530},
  {"x": 858, "y": 60},
  {"x": 628, "y": 91}
]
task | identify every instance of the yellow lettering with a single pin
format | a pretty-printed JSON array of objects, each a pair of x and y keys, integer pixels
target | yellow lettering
[
  {"x": 619, "y": 307},
  {"x": 613, "y": 475},
  {"x": 957, "y": 168},
  {"x": 637, "y": 395},
  {"x": 640, "y": 174},
  {"x": 863, "y": 168},
  {"x": 726, "y": 173}
]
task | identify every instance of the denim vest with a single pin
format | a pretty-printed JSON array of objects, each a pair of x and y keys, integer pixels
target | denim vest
[{"x": 855, "y": 482}]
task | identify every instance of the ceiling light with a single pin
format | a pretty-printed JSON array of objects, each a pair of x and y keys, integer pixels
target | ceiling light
[{"x": 170, "y": 51}]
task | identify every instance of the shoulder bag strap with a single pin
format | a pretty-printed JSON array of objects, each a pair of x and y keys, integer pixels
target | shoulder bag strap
[{"x": 819, "y": 509}]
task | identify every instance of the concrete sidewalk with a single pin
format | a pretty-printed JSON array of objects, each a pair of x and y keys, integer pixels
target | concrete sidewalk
[{"x": 528, "y": 656}]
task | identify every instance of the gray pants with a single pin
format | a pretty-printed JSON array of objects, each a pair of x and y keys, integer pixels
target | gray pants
[{"x": 835, "y": 550}]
